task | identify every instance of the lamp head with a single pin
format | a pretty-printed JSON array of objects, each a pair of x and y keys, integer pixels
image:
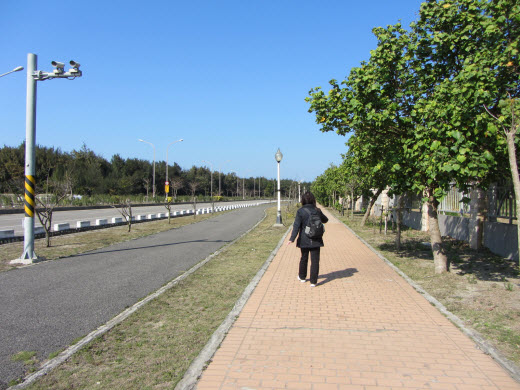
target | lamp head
[{"x": 278, "y": 156}]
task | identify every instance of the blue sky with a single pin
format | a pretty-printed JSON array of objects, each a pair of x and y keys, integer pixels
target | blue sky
[{"x": 229, "y": 77}]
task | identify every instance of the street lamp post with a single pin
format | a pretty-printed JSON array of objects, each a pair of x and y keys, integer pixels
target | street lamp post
[
  {"x": 278, "y": 157},
  {"x": 17, "y": 69},
  {"x": 33, "y": 75},
  {"x": 235, "y": 172},
  {"x": 219, "y": 172},
  {"x": 167, "y": 183},
  {"x": 153, "y": 170}
]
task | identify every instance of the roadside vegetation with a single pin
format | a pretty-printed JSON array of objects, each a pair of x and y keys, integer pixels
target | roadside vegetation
[
  {"x": 155, "y": 345},
  {"x": 482, "y": 289}
]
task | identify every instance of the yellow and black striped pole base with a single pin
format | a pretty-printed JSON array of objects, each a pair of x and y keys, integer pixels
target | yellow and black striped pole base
[{"x": 30, "y": 193}]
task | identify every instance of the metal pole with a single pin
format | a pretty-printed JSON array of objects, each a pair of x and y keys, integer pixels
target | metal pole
[
  {"x": 167, "y": 181},
  {"x": 30, "y": 159},
  {"x": 279, "y": 212},
  {"x": 153, "y": 179},
  {"x": 17, "y": 69},
  {"x": 243, "y": 190},
  {"x": 219, "y": 181}
]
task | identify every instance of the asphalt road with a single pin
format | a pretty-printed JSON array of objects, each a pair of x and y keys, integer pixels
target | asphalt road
[
  {"x": 44, "y": 307},
  {"x": 14, "y": 221}
]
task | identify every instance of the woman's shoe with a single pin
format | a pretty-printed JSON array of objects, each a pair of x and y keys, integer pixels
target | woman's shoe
[{"x": 301, "y": 280}]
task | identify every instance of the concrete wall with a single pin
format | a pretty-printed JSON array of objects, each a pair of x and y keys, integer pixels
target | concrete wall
[
  {"x": 499, "y": 238},
  {"x": 456, "y": 227},
  {"x": 412, "y": 219},
  {"x": 502, "y": 239}
]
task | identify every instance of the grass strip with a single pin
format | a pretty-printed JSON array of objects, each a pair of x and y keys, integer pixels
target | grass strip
[
  {"x": 154, "y": 346},
  {"x": 482, "y": 289},
  {"x": 73, "y": 244}
]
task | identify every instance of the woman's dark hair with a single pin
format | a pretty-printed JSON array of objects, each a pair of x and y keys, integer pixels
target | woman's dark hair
[{"x": 308, "y": 198}]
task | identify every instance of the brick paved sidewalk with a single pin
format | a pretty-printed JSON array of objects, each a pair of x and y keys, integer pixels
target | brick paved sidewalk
[{"x": 362, "y": 327}]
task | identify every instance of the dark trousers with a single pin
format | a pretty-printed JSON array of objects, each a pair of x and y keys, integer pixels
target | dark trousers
[{"x": 315, "y": 264}]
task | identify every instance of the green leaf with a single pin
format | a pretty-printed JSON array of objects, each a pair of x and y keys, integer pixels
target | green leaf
[
  {"x": 435, "y": 145},
  {"x": 488, "y": 156}
]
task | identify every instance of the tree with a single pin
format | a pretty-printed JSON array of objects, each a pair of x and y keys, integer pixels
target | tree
[
  {"x": 494, "y": 72},
  {"x": 414, "y": 101},
  {"x": 176, "y": 184},
  {"x": 375, "y": 105},
  {"x": 56, "y": 192},
  {"x": 193, "y": 185},
  {"x": 450, "y": 143},
  {"x": 125, "y": 209}
]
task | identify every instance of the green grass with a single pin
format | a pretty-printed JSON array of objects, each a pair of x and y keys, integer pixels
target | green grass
[{"x": 153, "y": 347}]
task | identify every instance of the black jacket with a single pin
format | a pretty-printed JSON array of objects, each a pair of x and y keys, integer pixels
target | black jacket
[{"x": 300, "y": 222}]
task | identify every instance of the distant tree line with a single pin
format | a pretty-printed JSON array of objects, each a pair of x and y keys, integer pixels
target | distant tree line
[{"x": 87, "y": 173}]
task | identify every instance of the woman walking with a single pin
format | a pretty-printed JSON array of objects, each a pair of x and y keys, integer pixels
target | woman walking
[{"x": 304, "y": 242}]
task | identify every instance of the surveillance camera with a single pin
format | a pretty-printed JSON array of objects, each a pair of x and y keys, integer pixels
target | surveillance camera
[
  {"x": 74, "y": 64},
  {"x": 58, "y": 64}
]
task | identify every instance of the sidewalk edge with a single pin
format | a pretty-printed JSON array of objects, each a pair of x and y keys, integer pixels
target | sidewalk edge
[
  {"x": 512, "y": 369},
  {"x": 194, "y": 371}
]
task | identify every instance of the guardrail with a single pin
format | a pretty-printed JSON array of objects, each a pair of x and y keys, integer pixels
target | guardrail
[{"x": 7, "y": 236}]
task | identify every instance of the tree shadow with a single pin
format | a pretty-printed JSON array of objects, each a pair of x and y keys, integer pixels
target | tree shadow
[
  {"x": 482, "y": 263},
  {"x": 412, "y": 247},
  {"x": 146, "y": 247},
  {"x": 346, "y": 273}
]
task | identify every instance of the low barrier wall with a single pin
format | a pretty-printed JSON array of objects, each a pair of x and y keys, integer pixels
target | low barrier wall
[
  {"x": 116, "y": 221},
  {"x": 499, "y": 238}
]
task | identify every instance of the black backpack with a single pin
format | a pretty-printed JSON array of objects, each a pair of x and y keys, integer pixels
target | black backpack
[{"x": 314, "y": 228}]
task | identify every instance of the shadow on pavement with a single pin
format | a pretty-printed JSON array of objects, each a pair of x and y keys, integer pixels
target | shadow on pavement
[{"x": 346, "y": 273}]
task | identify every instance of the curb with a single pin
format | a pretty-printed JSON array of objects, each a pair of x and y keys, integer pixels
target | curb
[
  {"x": 512, "y": 369},
  {"x": 194, "y": 371}
]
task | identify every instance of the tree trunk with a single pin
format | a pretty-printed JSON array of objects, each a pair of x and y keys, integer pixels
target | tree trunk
[
  {"x": 398, "y": 218},
  {"x": 516, "y": 180},
  {"x": 372, "y": 201},
  {"x": 440, "y": 259},
  {"x": 352, "y": 203},
  {"x": 129, "y": 218}
]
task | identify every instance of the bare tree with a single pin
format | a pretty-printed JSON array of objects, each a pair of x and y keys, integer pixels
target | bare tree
[
  {"x": 193, "y": 185},
  {"x": 168, "y": 206},
  {"x": 176, "y": 185},
  {"x": 125, "y": 209},
  {"x": 56, "y": 192},
  {"x": 146, "y": 183}
]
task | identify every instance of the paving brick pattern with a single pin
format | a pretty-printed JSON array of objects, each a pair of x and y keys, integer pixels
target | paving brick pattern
[{"x": 363, "y": 327}]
